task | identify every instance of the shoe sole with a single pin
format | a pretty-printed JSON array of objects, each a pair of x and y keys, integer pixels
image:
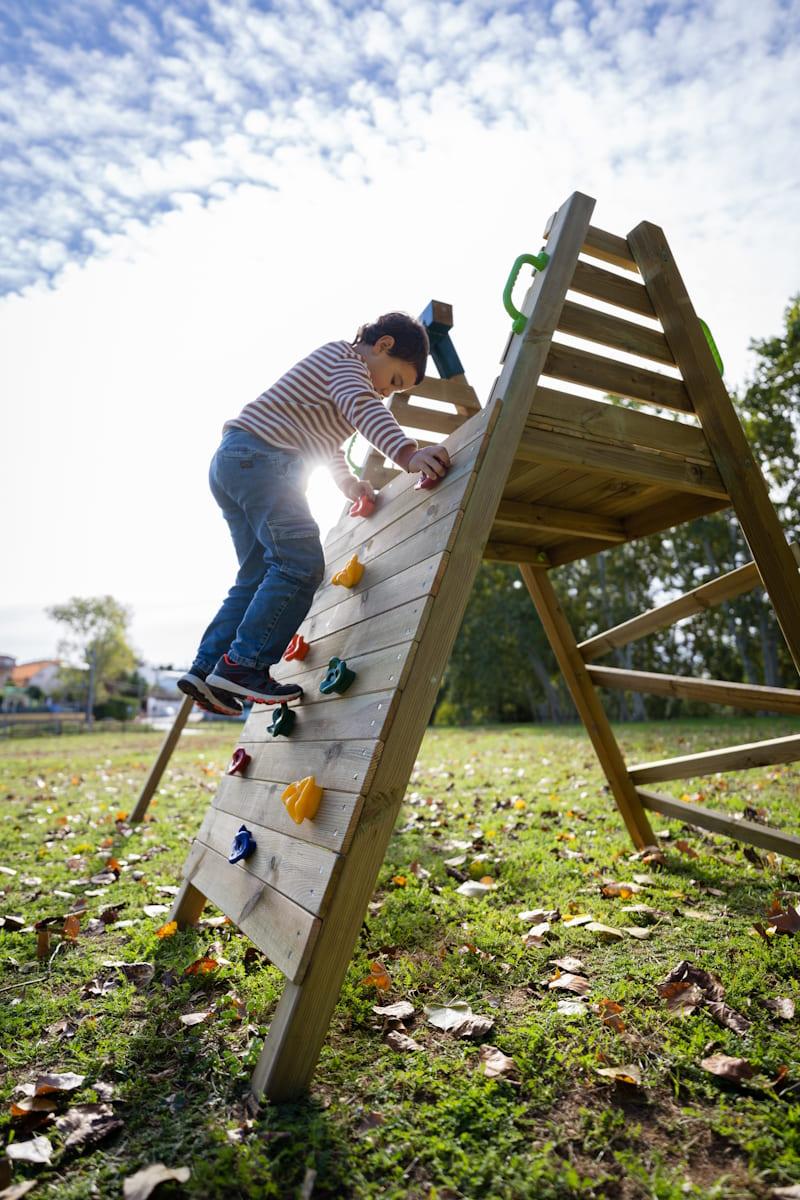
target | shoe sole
[
  {"x": 236, "y": 689},
  {"x": 203, "y": 697}
]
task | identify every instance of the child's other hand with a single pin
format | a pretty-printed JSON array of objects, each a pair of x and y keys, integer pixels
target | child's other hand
[
  {"x": 433, "y": 461},
  {"x": 353, "y": 488}
]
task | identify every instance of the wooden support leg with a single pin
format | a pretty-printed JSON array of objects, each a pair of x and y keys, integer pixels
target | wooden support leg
[
  {"x": 164, "y": 755},
  {"x": 587, "y": 702},
  {"x": 188, "y": 906}
]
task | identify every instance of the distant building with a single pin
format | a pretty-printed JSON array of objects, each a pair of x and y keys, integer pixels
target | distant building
[
  {"x": 42, "y": 674},
  {"x": 6, "y": 667}
]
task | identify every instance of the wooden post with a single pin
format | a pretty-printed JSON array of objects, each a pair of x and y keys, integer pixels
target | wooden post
[
  {"x": 734, "y": 458},
  {"x": 587, "y": 702},
  {"x": 164, "y": 755}
]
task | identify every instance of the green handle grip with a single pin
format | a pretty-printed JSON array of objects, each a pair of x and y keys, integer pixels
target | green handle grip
[
  {"x": 538, "y": 262},
  {"x": 712, "y": 345}
]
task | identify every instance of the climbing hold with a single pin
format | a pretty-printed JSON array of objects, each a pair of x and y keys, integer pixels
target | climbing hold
[
  {"x": 338, "y": 679},
  {"x": 297, "y": 649},
  {"x": 364, "y": 506},
  {"x": 426, "y": 481},
  {"x": 243, "y": 845},
  {"x": 283, "y": 720},
  {"x": 302, "y": 799},
  {"x": 239, "y": 761},
  {"x": 350, "y": 574}
]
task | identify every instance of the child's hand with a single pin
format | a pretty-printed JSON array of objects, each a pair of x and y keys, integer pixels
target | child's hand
[
  {"x": 433, "y": 461},
  {"x": 353, "y": 488}
]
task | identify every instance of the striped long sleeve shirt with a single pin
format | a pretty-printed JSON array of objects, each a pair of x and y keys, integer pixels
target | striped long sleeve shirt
[{"x": 318, "y": 403}]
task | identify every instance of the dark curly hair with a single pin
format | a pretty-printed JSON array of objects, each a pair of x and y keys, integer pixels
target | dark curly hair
[{"x": 410, "y": 339}]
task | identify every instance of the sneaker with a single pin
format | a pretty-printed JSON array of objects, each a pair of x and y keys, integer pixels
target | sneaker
[
  {"x": 252, "y": 684},
  {"x": 213, "y": 700}
]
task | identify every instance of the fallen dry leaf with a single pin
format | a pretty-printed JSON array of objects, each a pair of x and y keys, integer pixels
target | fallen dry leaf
[
  {"x": 495, "y": 1064},
  {"x": 785, "y": 922},
  {"x": 792, "y": 1192},
  {"x": 629, "y": 1073},
  {"x": 572, "y": 1008},
  {"x": 401, "y": 1041},
  {"x": 682, "y": 997},
  {"x": 473, "y": 888},
  {"x": 783, "y": 1007},
  {"x": 624, "y": 890},
  {"x": 608, "y": 1011},
  {"x": 165, "y": 931},
  {"x": 86, "y": 1124},
  {"x": 606, "y": 933},
  {"x": 570, "y": 982},
  {"x": 727, "y": 1068},
  {"x": 403, "y": 1010},
  {"x": 640, "y": 932},
  {"x": 537, "y": 934},
  {"x": 458, "y": 1019},
  {"x": 568, "y": 963},
  {"x": 201, "y": 966},
  {"x": 579, "y": 919},
  {"x": 195, "y": 1018},
  {"x": 48, "y": 1084},
  {"x": 145, "y": 1181},
  {"x": 378, "y": 977},
  {"x": 137, "y": 973},
  {"x": 38, "y": 1150}
]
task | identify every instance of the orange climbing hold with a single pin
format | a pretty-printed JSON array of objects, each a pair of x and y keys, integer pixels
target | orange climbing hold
[
  {"x": 302, "y": 799},
  {"x": 351, "y": 574},
  {"x": 297, "y": 649}
]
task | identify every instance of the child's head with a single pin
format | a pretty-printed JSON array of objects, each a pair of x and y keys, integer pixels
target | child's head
[{"x": 395, "y": 348}]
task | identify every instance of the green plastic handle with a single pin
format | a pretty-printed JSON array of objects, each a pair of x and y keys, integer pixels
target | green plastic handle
[
  {"x": 712, "y": 345},
  {"x": 357, "y": 471},
  {"x": 538, "y": 262}
]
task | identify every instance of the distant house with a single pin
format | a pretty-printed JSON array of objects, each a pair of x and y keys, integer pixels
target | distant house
[
  {"x": 42, "y": 674},
  {"x": 6, "y": 667}
]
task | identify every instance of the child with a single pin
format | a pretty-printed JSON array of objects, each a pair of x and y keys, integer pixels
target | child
[{"x": 258, "y": 478}]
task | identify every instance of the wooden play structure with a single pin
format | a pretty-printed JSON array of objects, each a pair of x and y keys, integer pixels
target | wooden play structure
[{"x": 540, "y": 476}]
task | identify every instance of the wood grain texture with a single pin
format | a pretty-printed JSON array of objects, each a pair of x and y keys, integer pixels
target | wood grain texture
[
  {"x": 253, "y": 800},
  {"x": 619, "y": 290},
  {"x": 717, "y": 822},
  {"x": 730, "y": 758},
  {"x": 714, "y": 691},
  {"x": 614, "y": 332},
  {"x": 616, "y": 378}
]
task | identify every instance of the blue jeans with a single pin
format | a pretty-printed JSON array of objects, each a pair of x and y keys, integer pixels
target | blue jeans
[{"x": 261, "y": 491}]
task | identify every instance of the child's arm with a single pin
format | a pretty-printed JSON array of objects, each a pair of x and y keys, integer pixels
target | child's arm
[
  {"x": 366, "y": 412},
  {"x": 346, "y": 481}
]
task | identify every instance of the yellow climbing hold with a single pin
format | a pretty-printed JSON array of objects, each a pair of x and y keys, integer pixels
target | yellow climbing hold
[
  {"x": 302, "y": 799},
  {"x": 351, "y": 574}
]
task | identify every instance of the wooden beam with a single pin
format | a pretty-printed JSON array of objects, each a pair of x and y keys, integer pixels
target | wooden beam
[
  {"x": 743, "y": 831},
  {"x": 712, "y": 691},
  {"x": 730, "y": 758},
  {"x": 593, "y": 281},
  {"x": 587, "y": 702},
  {"x": 616, "y": 378},
  {"x": 700, "y": 599},
  {"x": 627, "y": 462},
  {"x": 541, "y": 517},
  {"x": 164, "y": 755},
  {"x": 606, "y": 246},
  {"x": 595, "y": 326},
  {"x": 514, "y": 552},
  {"x": 416, "y": 416},
  {"x": 455, "y": 391},
  {"x": 737, "y": 465}
]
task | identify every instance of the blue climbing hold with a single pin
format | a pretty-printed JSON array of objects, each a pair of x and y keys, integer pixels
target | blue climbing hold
[{"x": 244, "y": 844}]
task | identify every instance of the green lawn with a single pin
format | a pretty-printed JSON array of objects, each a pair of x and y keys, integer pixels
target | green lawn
[{"x": 523, "y": 805}]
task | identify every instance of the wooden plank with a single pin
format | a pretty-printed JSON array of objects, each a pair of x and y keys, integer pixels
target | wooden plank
[
  {"x": 676, "y": 510},
  {"x": 303, "y": 1013},
  {"x": 390, "y": 629},
  {"x": 743, "y": 831},
  {"x": 557, "y": 410},
  {"x": 595, "y": 326},
  {"x": 250, "y": 800},
  {"x": 700, "y": 599},
  {"x": 378, "y": 671},
  {"x": 730, "y": 758},
  {"x": 627, "y": 462},
  {"x": 455, "y": 391},
  {"x": 616, "y": 378},
  {"x": 342, "y": 766},
  {"x": 713, "y": 691},
  {"x": 539, "y": 517},
  {"x": 164, "y": 755},
  {"x": 577, "y": 678},
  {"x": 383, "y": 558},
  {"x": 607, "y": 246},
  {"x": 420, "y": 581},
  {"x": 515, "y": 552},
  {"x": 283, "y": 930},
  {"x": 351, "y": 718},
  {"x": 415, "y": 416},
  {"x": 734, "y": 457},
  {"x": 590, "y": 280},
  {"x": 400, "y": 497},
  {"x": 300, "y": 870}
]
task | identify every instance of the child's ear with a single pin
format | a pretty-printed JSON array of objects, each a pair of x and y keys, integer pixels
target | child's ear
[{"x": 384, "y": 343}]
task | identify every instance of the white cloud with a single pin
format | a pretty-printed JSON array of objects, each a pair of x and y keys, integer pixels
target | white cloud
[{"x": 214, "y": 200}]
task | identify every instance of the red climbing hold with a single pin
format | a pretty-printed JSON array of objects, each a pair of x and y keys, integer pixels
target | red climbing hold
[
  {"x": 239, "y": 761},
  {"x": 297, "y": 649},
  {"x": 364, "y": 506}
]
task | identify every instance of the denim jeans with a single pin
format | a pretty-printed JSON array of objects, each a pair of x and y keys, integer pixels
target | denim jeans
[{"x": 261, "y": 491}]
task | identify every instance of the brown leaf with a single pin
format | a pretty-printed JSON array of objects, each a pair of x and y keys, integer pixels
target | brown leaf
[
  {"x": 726, "y": 1016},
  {"x": 608, "y": 1011},
  {"x": 568, "y": 963},
  {"x": 497, "y": 1065},
  {"x": 195, "y": 1018},
  {"x": 201, "y": 966},
  {"x": 378, "y": 977},
  {"x": 709, "y": 984},
  {"x": 72, "y": 927},
  {"x": 682, "y": 998},
  {"x": 137, "y": 973},
  {"x": 48, "y": 1084},
  {"x": 401, "y": 1011},
  {"x": 86, "y": 1124},
  {"x": 629, "y": 1074},
  {"x": 786, "y": 922},
  {"x": 32, "y": 1104},
  {"x": 686, "y": 849},
  {"x": 624, "y": 890},
  {"x": 606, "y": 933},
  {"x": 144, "y": 1182},
  {"x": 537, "y": 935},
  {"x": 401, "y": 1041},
  {"x": 168, "y": 930},
  {"x": 569, "y": 982},
  {"x": 783, "y": 1007},
  {"x": 792, "y": 1192},
  {"x": 727, "y": 1068}
]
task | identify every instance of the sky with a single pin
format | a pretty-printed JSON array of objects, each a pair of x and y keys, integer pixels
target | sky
[{"x": 195, "y": 195}]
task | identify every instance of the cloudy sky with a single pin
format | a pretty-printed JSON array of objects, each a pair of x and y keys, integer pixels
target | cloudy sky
[{"x": 194, "y": 195}]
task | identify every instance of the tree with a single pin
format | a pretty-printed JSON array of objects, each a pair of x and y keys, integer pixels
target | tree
[{"x": 97, "y": 636}]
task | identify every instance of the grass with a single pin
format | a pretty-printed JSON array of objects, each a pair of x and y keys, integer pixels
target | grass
[{"x": 423, "y": 1125}]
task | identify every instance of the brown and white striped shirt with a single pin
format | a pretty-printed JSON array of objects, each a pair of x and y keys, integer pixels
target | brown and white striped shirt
[{"x": 318, "y": 403}]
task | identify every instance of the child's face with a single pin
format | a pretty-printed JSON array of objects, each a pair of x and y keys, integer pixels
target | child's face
[{"x": 388, "y": 374}]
